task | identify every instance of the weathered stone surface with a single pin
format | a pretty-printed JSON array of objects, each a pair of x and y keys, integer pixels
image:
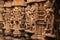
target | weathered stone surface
[
  {"x": 19, "y": 3},
  {"x": 35, "y": 18}
]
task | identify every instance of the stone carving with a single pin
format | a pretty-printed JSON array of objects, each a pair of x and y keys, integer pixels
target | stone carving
[{"x": 35, "y": 18}]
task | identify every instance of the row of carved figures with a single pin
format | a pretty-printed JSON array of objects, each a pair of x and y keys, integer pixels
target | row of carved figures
[{"x": 30, "y": 19}]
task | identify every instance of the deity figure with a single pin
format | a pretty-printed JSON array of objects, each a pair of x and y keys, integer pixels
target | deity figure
[{"x": 49, "y": 17}]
